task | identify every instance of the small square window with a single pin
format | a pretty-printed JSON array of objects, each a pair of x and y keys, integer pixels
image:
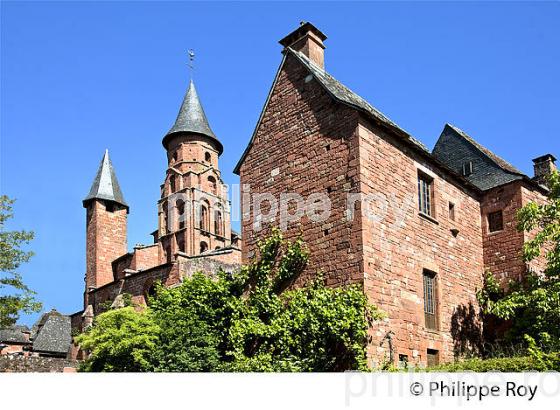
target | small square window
[
  {"x": 495, "y": 221},
  {"x": 433, "y": 357},
  {"x": 467, "y": 168},
  {"x": 403, "y": 361}
]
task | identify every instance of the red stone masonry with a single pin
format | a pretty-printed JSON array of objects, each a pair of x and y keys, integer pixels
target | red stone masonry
[
  {"x": 305, "y": 144},
  {"x": 308, "y": 143},
  {"x": 105, "y": 241}
]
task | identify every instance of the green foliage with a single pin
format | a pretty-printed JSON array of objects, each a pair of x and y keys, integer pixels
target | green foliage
[
  {"x": 15, "y": 296},
  {"x": 502, "y": 364},
  {"x": 254, "y": 320},
  {"x": 121, "y": 340},
  {"x": 533, "y": 306}
]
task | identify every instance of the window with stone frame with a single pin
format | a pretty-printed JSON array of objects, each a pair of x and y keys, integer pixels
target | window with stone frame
[
  {"x": 218, "y": 223},
  {"x": 430, "y": 300},
  {"x": 172, "y": 184},
  {"x": 425, "y": 194},
  {"x": 432, "y": 357},
  {"x": 204, "y": 223},
  {"x": 452, "y": 211},
  {"x": 203, "y": 247},
  {"x": 495, "y": 221}
]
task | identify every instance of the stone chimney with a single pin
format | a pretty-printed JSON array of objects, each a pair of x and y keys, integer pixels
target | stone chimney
[
  {"x": 307, "y": 39},
  {"x": 543, "y": 166}
]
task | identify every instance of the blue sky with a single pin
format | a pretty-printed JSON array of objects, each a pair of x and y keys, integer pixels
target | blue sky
[{"x": 78, "y": 77}]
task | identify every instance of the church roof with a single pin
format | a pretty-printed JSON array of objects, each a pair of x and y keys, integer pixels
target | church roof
[
  {"x": 192, "y": 119},
  {"x": 105, "y": 185}
]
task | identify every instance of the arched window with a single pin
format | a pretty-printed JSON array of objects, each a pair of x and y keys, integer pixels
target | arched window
[
  {"x": 203, "y": 247},
  {"x": 212, "y": 183},
  {"x": 204, "y": 223},
  {"x": 207, "y": 157},
  {"x": 180, "y": 204},
  {"x": 218, "y": 223},
  {"x": 175, "y": 156},
  {"x": 164, "y": 227},
  {"x": 181, "y": 243},
  {"x": 149, "y": 290},
  {"x": 172, "y": 184}
]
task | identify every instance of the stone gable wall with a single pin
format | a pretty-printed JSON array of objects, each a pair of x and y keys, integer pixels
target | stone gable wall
[{"x": 305, "y": 144}]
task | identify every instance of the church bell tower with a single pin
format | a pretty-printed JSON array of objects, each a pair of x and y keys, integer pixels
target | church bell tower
[
  {"x": 194, "y": 212},
  {"x": 106, "y": 223}
]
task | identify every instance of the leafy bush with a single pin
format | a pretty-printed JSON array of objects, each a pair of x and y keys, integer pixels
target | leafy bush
[
  {"x": 532, "y": 306},
  {"x": 249, "y": 321},
  {"x": 122, "y": 340}
]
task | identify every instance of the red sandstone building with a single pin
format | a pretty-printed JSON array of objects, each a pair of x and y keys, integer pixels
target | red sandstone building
[{"x": 447, "y": 215}]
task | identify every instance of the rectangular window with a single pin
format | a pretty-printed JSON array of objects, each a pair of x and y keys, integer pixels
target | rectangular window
[
  {"x": 495, "y": 221},
  {"x": 430, "y": 300},
  {"x": 425, "y": 193},
  {"x": 433, "y": 357},
  {"x": 452, "y": 211},
  {"x": 403, "y": 361}
]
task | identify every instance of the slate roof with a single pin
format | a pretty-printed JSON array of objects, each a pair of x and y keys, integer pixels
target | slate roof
[
  {"x": 343, "y": 94},
  {"x": 54, "y": 334},
  {"x": 105, "y": 185},
  {"x": 14, "y": 334},
  {"x": 192, "y": 119},
  {"x": 455, "y": 148}
]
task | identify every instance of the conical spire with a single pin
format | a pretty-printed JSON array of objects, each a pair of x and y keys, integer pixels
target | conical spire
[
  {"x": 105, "y": 185},
  {"x": 191, "y": 118}
]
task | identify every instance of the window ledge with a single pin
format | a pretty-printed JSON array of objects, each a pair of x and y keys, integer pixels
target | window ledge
[{"x": 428, "y": 217}]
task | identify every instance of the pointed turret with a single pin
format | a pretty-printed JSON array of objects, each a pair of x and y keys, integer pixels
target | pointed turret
[
  {"x": 192, "y": 120},
  {"x": 105, "y": 185}
]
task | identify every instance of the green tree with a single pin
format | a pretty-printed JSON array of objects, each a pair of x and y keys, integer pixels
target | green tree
[
  {"x": 121, "y": 340},
  {"x": 252, "y": 320},
  {"x": 15, "y": 296},
  {"x": 533, "y": 305}
]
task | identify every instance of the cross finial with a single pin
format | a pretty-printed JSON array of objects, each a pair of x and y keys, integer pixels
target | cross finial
[{"x": 191, "y": 61}]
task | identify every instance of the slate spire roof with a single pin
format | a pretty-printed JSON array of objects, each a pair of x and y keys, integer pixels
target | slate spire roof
[
  {"x": 192, "y": 119},
  {"x": 105, "y": 185}
]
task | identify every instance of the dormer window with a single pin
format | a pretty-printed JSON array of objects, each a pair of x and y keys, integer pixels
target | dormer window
[{"x": 467, "y": 168}]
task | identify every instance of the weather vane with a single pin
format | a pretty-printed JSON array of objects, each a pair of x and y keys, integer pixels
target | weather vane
[{"x": 191, "y": 61}]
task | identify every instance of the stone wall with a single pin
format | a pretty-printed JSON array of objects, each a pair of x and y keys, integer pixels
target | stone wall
[
  {"x": 305, "y": 144},
  {"x": 399, "y": 244},
  {"x": 32, "y": 364}
]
